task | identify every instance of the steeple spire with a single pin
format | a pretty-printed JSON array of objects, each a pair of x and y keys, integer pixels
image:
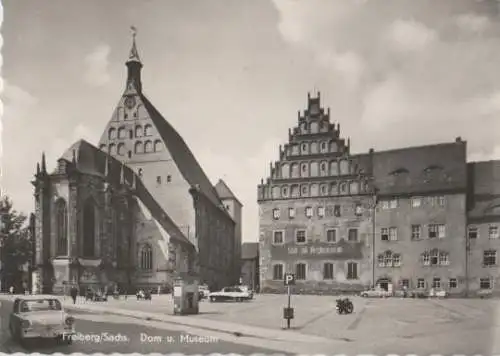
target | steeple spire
[
  {"x": 134, "y": 65},
  {"x": 44, "y": 163}
]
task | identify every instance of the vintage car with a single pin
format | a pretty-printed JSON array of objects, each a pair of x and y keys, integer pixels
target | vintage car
[
  {"x": 40, "y": 317},
  {"x": 375, "y": 293},
  {"x": 247, "y": 290},
  {"x": 229, "y": 294}
]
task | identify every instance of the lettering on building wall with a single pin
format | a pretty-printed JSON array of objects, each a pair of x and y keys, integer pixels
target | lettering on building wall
[{"x": 311, "y": 250}]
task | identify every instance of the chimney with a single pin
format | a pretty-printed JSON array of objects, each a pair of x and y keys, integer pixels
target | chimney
[{"x": 458, "y": 139}]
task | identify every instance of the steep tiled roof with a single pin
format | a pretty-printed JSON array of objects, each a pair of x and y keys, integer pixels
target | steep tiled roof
[
  {"x": 249, "y": 250},
  {"x": 484, "y": 189},
  {"x": 181, "y": 154},
  {"x": 91, "y": 160},
  {"x": 224, "y": 192},
  {"x": 423, "y": 169}
]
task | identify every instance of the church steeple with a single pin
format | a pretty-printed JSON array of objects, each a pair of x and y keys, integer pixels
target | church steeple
[{"x": 134, "y": 65}]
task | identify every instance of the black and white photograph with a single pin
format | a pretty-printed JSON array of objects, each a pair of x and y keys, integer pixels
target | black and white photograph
[{"x": 250, "y": 177}]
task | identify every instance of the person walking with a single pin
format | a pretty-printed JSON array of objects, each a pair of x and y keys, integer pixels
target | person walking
[{"x": 74, "y": 294}]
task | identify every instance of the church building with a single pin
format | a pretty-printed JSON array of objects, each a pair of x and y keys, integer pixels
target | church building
[{"x": 136, "y": 211}]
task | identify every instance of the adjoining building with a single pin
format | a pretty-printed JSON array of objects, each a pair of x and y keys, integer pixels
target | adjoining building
[
  {"x": 135, "y": 212},
  {"x": 250, "y": 265},
  {"x": 398, "y": 218}
]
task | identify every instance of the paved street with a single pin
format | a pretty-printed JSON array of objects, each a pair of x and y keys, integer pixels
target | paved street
[{"x": 130, "y": 336}]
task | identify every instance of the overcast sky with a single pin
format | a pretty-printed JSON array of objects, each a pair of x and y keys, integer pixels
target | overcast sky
[{"x": 231, "y": 75}]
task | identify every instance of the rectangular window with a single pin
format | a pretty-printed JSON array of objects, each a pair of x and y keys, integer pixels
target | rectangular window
[
  {"x": 331, "y": 235},
  {"x": 453, "y": 283},
  {"x": 384, "y": 204},
  {"x": 396, "y": 260},
  {"x": 353, "y": 235},
  {"x": 278, "y": 238},
  {"x": 300, "y": 271},
  {"x": 300, "y": 236},
  {"x": 384, "y": 234},
  {"x": 441, "y": 231},
  {"x": 352, "y": 270},
  {"x": 393, "y": 234},
  {"x": 489, "y": 258},
  {"x": 328, "y": 271},
  {"x": 444, "y": 259},
  {"x": 336, "y": 211},
  {"x": 433, "y": 231},
  {"x": 473, "y": 232},
  {"x": 291, "y": 213},
  {"x": 441, "y": 200},
  {"x": 278, "y": 272},
  {"x": 276, "y": 214},
  {"x": 416, "y": 232},
  {"x": 309, "y": 212},
  {"x": 436, "y": 283},
  {"x": 321, "y": 211},
  {"x": 158, "y": 179},
  {"x": 485, "y": 283},
  {"x": 420, "y": 283},
  {"x": 416, "y": 202},
  {"x": 493, "y": 232},
  {"x": 393, "y": 203},
  {"x": 405, "y": 283}
]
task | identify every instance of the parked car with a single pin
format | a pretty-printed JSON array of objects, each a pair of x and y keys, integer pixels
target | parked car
[
  {"x": 229, "y": 294},
  {"x": 203, "y": 291},
  {"x": 418, "y": 293},
  {"x": 375, "y": 293},
  {"x": 438, "y": 293},
  {"x": 40, "y": 317},
  {"x": 96, "y": 296},
  {"x": 246, "y": 289}
]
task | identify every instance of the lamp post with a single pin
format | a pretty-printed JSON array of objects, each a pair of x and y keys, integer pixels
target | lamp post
[{"x": 373, "y": 207}]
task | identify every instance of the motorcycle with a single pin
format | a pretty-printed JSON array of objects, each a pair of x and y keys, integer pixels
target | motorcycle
[{"x": 344, "y": 306}]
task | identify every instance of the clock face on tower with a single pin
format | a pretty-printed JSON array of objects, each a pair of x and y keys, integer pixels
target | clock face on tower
[{"x": 130, "y": 102}]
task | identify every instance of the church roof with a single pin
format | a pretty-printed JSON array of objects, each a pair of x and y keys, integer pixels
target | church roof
[
  {"x": 181, "y": 154},
  {"x": 224, "y": 192},
  {"x": 90, "y": 160},
  {"x": 422, "y": 169}
]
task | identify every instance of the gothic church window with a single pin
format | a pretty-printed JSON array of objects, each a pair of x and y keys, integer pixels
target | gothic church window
[
  {"x": 334, "y": 168},
  {"x": 89, "y": 227},
  {"x": 112, "y": 133},
  {"x": 121, "y": 149},
  {"x": 314, "y": 147},
  {"x": 314, "y": 190},
  {"x": 148, "y": 130},
  {"x": 304, "y": 169},
  {"x": 314, "y": 169},
  {"x": 295, "y": 170},
  {"x": 112, "y": 149},
  {"x": 62, "y": 227},
  {"x": 334, "y": 189},
  {"x": 323, "y": 147},
  {"x": 354, "y": 188},
  {"x": 343, "y": 188},
  {"x": 138, "y": 131},
  {"x": 158, "y": 146},
  {"x": 285, "y": 170},
  {"x": 305, "y": 190},
  {"x": 344, "y": 167},
  {"x": 148, "y": 147},
  {"x": 146, "y": 258},
  {"x": 122, "y": 133},
  {"x": 138, "y": 148},
  {"x": 314, "y": 127},
  {"x": 295, "y": 191},
  {"x": 323, "y": 169},
  {"x": 305, "y": 148}
]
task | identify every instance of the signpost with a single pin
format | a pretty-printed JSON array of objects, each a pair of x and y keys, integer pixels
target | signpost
[{"x": 289, "y": 280}]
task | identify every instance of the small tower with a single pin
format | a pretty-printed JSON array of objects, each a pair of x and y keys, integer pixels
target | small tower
[{"x": 134, "y": 66}]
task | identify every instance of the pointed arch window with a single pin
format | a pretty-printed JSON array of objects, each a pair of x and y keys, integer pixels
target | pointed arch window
[
  {"x": 295, "y": 170},
  {"x": 148, "y": 130},
  {"x": 148, "y": 147},
  {"x": 121, "y": 149},
  {"x": 146, "y": 261},
  {"x": 122, "y": 133},
  {"x": 138, "y": 147},
  {"x": 112, "y": 133},
  {"x": 138, "y": 131},
  {"x": 89, "y": 228},
  {"x": 285, "y": 170},
  {"x": 62, "y": 227},
  {"x": 158, "y": 146}
]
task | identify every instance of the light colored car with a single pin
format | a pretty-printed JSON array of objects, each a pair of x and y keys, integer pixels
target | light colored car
[
  {"x": 375, "y": 293},
  {"x": 203, "y": 291},
  {"x": 229, "y": 294},
  {"x": 247, "y": 290},
  {"x": 40, "y": 317}
]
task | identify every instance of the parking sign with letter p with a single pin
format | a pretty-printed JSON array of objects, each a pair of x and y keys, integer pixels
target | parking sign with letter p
[{"x": 289, "y": 279}]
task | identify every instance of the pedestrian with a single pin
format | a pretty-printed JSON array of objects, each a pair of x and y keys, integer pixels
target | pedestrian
[
  {"x": 11, "y": 290},
  {"x": 74, "y": 294}
]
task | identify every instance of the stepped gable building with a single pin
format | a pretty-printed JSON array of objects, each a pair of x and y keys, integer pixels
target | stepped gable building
[
  {"x": 315, "y": 209},
  {"x": 135, "y": 212},
  {"x": 341, "y": 221},
  {"x": 483, "y": 233}
]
